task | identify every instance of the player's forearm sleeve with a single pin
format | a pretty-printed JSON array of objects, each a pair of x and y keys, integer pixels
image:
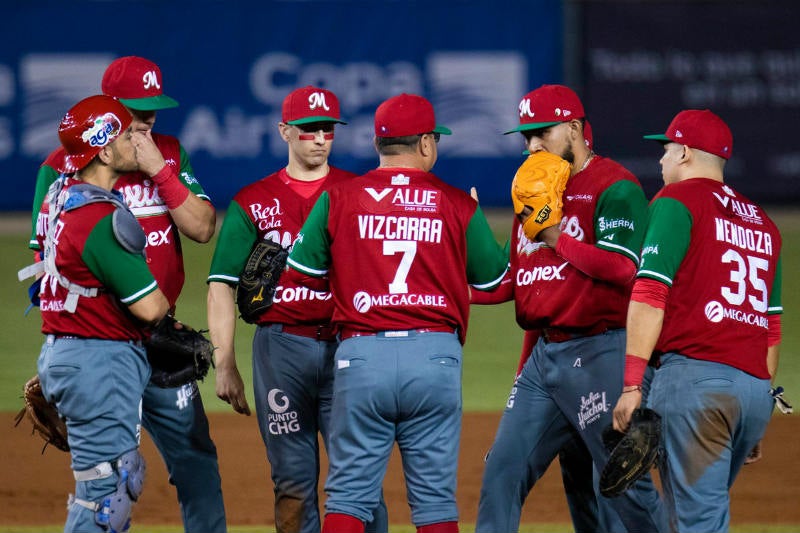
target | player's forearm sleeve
[{"x": 596, "y": 263}]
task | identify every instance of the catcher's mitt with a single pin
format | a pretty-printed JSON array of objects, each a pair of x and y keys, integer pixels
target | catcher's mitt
[
  {"x": 259, "y": 279},
  {"x": 632, "y": 453},
  {"x": 43, "y": 415},
  {"x": 177, "y": 353},
  {"x": 536, "y": 191}
]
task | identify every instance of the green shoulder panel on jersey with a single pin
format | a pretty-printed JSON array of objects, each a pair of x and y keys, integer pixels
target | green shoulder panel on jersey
[
  {"x": 46, "y": 176},
  {"x": 186, "y": 175},
  {"x": 123, "y": 273},
  {"x": 236, "y": 238},
  {"x": 620, "y": 219},
  {"x": 311, "y": 253},
  {"x": 666, "y": 240},
  {"x": 487, "y": 261},
  {"x": 775, "y": 304}
]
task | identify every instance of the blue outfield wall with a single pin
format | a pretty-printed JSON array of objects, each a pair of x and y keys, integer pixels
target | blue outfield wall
[{"x": 230, "y": 64}]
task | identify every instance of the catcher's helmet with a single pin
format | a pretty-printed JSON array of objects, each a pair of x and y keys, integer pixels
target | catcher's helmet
[{"x": 88, "y": 126}]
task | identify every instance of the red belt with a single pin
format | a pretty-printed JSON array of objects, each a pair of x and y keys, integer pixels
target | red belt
[
  {"x": 348, "y": 333},
  {"x": 320, "y": 333},
  {"x": 562, "y": 335}
]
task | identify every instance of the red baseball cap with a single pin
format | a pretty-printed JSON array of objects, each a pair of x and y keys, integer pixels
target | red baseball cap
[
  {"x": 547, "y": 106},
  {"x": 310, "y": 104},
  {"x": 406, "y": 114},
  {"x": 136, "y": 82},
  {"x": 88, "y": 126},
  {"x": 699, "y": 129}
]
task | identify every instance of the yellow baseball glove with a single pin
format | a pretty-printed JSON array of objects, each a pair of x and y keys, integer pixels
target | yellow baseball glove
[{"x": 536, "y": 191}]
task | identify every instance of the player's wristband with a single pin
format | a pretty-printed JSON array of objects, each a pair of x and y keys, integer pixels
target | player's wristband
[
  {"x": 634, "y": 370},
  {"x": 170, "y": 188}
]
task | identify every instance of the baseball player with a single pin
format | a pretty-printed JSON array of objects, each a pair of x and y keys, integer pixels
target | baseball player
[
  {"x": 400, "y": 247},
  {"x": 294, "y": 342},
  {"x": 166, "y": 198},
  {"x": 96, "y": 293},
  {"x": 706, "y": 303},
  {"x": 572, "y": 284}
]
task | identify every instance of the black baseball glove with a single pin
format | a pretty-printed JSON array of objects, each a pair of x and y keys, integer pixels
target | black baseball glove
[
  {"x": 632, "y": 453},
  {"x": 258, "y": 281},
  {"x": 177, "y": 353}
]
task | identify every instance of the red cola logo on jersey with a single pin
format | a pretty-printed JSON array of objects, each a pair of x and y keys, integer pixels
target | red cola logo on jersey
[{"x": 267, "y": 217}]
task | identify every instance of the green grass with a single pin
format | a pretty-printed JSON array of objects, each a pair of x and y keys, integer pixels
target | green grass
[{"x": 490, "y": 355}]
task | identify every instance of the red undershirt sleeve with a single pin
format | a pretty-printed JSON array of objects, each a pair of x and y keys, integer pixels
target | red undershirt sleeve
[{"x": 596, "y": 263}]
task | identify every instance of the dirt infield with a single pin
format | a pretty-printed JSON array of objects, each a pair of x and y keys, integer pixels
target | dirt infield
[{"x": 33, "y": 487}]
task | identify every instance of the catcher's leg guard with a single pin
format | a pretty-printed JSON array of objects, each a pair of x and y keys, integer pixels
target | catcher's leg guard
[{"x": 113, "y": 512}]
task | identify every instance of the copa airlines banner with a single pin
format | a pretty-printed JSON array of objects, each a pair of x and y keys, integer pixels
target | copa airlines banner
[
  {"x": 230, "y": 64},
  {"x": 739, "y": 59}
]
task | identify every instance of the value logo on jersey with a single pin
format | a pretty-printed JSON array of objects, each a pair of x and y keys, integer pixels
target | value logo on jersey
[
  {"x": 280, "y": 420},
  {"x": 410, "y": 199}
]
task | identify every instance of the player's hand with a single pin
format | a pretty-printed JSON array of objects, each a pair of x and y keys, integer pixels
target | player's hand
[
  {"x": 549, "y": 236},
  {"x": 626, "y": 404},
  {"x": 230, "y": 388},
  {"x": 147, "y": 153},
  {"x": 474, "y": 193},
  {"x": 755, "y": 454}
]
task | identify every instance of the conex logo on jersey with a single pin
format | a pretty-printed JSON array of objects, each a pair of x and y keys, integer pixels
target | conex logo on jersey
[
  {"x": 540, "y": 273},
  {"x": 279, "y": 420},
  {"x": 316, "y": 100}
]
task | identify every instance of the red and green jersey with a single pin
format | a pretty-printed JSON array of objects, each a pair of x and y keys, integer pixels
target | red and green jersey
[
  {"x": 164, "y": 253},
  {"x": 270, "y": 210},
  {"x": 720, "y": 254},
  {"x": 400, "y": 247},
  {"x": 604, "y": 205},
  {"x": 88, "y": 254}
]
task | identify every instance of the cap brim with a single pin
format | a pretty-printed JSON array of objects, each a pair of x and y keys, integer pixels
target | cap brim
[
  {"x": 151, "y": 103},
  {"x": 309, "y": 120},
  {"x": 531, "y": 126},
  {"x": 442, "y": 130},
  {"x": 660, "y": 137}
]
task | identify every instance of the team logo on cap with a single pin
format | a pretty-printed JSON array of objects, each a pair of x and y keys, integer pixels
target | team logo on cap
[
  {"x": 525, "y": 108},
  {"x": 103, "y": 129},
  {"x": 316, "y": 100},
  {"x": 150, "y": 79}
]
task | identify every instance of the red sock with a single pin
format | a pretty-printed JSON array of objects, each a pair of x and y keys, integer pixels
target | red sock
[
  {"x": 439, "y": 527},
  {"x": 342, "y": 523}
]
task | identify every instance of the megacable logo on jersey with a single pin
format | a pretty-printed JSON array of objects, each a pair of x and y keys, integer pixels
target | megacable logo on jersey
[
  {"x": 104, "y": 128},
  {"x": 364, "y": 301}
]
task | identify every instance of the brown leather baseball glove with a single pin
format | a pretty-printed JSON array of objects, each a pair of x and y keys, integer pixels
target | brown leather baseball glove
[
  {"x": 43, "y": 415},
  {"x": 536, "y": 191}
]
